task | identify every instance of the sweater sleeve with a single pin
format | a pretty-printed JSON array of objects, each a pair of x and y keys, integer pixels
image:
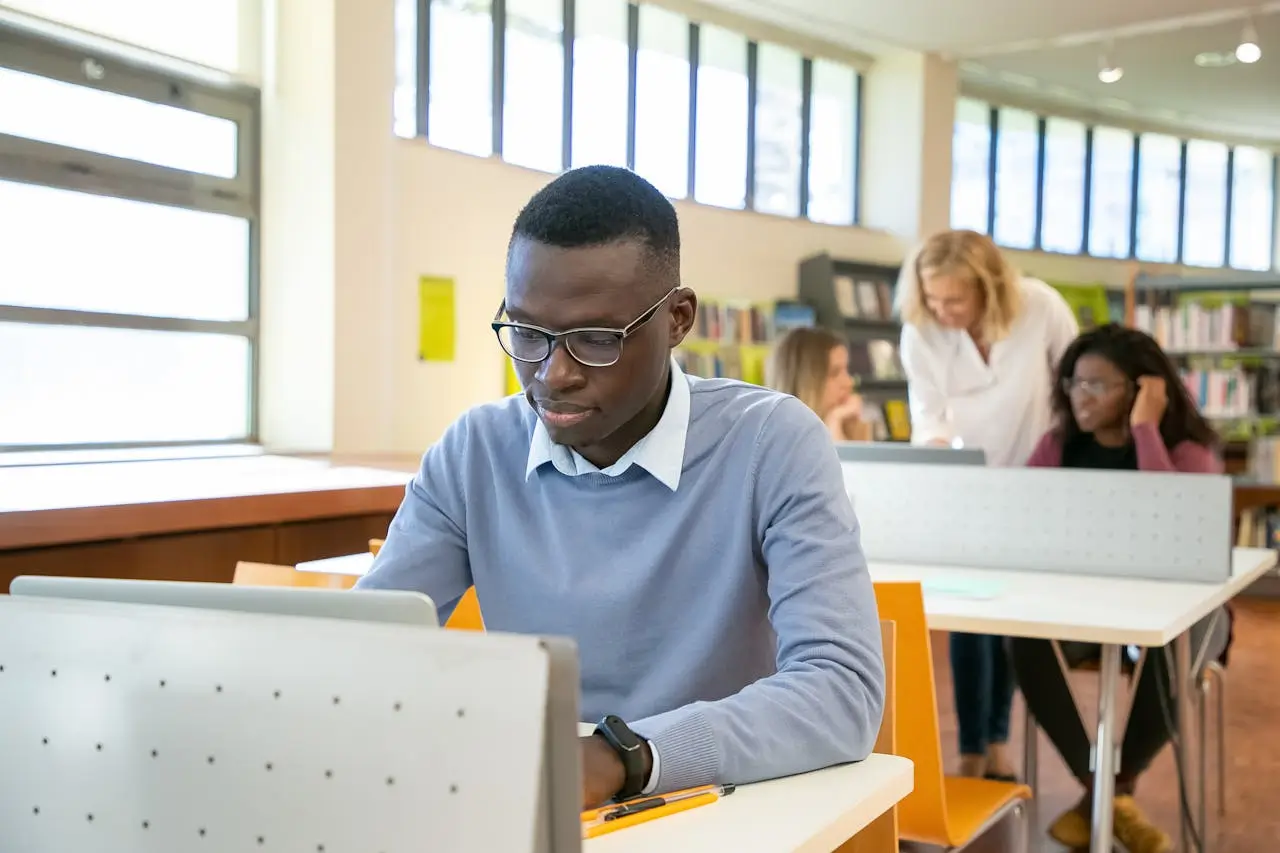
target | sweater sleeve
[
  {"x": 1048, "y": 452},
  {"x": 426, "y": 546},
  {"x": 1187, "y": 458},
  {"x": 925, "y": 397},
  {"x": 824, "y": 703}
]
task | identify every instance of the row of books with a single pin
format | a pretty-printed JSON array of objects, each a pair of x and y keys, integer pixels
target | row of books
[
  {"x": 1222, "y": 392},
  {"x": 1213, "y": 327},
  {"x": 709, "y": 359},
  {"x": 863, "y": 299},
  {"x": 743, "y": 322},
  {"x": 1264, "y": 459},
  {"x": 876, "y": 359}
]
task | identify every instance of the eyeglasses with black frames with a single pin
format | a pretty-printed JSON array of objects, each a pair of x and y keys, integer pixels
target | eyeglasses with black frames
[{"x": 590, "y": 346}]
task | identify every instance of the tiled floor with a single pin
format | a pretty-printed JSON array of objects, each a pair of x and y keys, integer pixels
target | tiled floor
[{"x": 1252, "y": 824}]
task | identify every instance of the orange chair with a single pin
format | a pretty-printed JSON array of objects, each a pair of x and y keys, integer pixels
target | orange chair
[
  {"x": 267, "y": 574},
  {"x": 881, "y": 835},
  {"x": 945, "y": 811},
  {"x": 465, "y": 617}
]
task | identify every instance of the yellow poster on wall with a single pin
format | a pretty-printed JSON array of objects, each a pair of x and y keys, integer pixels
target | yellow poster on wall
[
  {"x": 513, "y": 381},
  {"x": 436, "y": 324}
]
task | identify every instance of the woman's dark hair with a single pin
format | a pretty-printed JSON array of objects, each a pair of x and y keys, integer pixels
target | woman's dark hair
[{"x": 1134, "y": 354}]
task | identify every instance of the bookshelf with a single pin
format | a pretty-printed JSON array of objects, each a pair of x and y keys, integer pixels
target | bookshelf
[
  {"x": 732, "y": 338},
  {"x": 1224, "y": 334},
  {"x": 855, "y": 300}
]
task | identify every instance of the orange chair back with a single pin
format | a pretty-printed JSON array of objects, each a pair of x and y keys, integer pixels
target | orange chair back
[
  {"x": 267, "y": 574},
  {"x": 923, "y": 814},
  {"x": 881, "y": 835},
  {"x": 466, "y": 616}
]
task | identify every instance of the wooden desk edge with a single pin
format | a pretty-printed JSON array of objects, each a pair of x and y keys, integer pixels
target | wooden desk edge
[{"x": 41, "y": 528}]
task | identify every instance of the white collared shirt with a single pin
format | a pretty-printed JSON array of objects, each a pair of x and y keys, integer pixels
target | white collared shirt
[
  {"x": 1001, "y": 405},
  {"x": 661, "y": 452}
]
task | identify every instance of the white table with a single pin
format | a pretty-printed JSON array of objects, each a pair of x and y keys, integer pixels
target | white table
[
  {"x": 351, "y": 564},
  {"x": 811, "y": 813},
  {"x": 1114, "y": 612}
]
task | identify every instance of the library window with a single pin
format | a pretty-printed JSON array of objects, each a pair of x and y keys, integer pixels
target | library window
[
  {"x": 533, "y": 108},
  {"x": 971, "y": 165},
  {"x": 405, "y": 100},
  {"x": 460, "y": 94},
  {"x": 1253, "y": 181},
  {"x": 1191, "y": 201},
  {"x": 146, "y": 333},
  {"x": 699, "y": 110},
  {"x": 779, "y": 100},
  {"x": 600, "y": 80},
  {"x": 1017, "y": 156},
  {"x": 1065, "y": 150},
  {"x": 1204, "y": 220},
  {"x": 833, "y": 143},
  {"x": 1159, "y": 185},
  {"x": 720, "y": 173},
  {"x": 662, "y": 100},
  {"x": 1110, "y": 198}
]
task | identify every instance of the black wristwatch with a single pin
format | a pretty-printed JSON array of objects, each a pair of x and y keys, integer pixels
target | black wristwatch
[{"x": 630, "y": 749}]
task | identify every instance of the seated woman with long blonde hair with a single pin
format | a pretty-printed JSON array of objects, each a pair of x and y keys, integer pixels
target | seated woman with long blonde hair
[{"x": 812, "y": 365}]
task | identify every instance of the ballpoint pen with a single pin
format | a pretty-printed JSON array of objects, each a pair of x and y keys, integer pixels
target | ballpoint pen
[{"x": 637, "y": 806}]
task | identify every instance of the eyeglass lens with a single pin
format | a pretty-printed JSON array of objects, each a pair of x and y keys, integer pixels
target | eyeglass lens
[{"x": 594, "y": 349}]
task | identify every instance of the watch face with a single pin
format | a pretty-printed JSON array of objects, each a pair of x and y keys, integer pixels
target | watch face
[{"x": 620, "y": 733}]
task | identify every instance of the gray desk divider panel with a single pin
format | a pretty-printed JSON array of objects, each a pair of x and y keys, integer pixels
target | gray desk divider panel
[
  {"x": 142, "y": 729},
  {"x": 1114, "y": 523}
]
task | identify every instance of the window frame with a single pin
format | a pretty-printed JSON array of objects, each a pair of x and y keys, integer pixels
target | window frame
[
  {"x": 498, "y": 11},
  {"x": 28, "y": 161},
  {"x": 1090, "y": 126}
]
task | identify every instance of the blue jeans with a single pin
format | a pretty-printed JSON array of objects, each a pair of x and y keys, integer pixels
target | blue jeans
[{"x": 983, "y": 683}]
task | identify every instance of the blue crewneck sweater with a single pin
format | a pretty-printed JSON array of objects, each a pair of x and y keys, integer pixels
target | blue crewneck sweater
[{"x": 731, "y": 621}]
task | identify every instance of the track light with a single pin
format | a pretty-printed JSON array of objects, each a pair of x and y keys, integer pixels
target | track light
[{"x": 1248, "y": 50}]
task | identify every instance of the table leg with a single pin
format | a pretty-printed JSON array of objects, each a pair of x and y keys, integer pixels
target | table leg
[
  {"x": 1184, "y": 683},
  {"x": 1105, "y": 750}
]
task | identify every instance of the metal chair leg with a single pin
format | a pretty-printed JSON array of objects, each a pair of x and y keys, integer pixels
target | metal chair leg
[{"x": 1219, "y": 674}]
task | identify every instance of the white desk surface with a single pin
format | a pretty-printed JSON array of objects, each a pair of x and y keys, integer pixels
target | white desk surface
[
  {"x": 351, "y": 564},
  {"x": 811, "y": 813},
  {"x": 1087, "y": 608}
]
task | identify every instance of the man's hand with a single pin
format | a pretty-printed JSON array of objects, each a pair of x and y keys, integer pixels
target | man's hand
[{"x": 602, "y": 772}]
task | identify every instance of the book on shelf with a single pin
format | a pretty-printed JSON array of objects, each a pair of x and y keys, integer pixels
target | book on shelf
[
  {"x": 863, "y": 298},
  {"x": 1210, "y": 325},
  {"x": 1222, "y": 392},
  {"x": 731, "y": 338},
  {"x": 875, "y": 360}
]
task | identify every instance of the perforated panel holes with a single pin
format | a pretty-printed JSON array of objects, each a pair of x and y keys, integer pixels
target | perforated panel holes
[
  {"x": 275, "y": 694},
  {"x": 217, "y": 688},
  {"x": 337, "y": 700},
  {"x": 106, "y": 677}
]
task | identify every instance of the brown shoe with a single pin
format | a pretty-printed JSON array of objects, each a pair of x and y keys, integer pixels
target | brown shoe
[{"x": 1136, "y": 832}]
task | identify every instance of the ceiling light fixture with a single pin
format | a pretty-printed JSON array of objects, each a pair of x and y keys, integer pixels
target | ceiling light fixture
[
  {"x": 1108, "y": 71},
  {"x": 1248, "y": 50}
]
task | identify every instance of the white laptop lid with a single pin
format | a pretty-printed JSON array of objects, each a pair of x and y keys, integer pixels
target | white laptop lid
[{"x": 394, "y": 606}]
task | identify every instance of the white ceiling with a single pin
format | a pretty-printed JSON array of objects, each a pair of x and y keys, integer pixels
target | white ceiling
[{"x": 1047, "y": 52}]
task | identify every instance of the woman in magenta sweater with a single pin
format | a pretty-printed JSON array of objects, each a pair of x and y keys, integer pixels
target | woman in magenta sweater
[{"x": 1118, "y": 404}]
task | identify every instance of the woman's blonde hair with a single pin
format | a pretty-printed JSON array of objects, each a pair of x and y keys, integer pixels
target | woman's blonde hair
[
  {"x": 966, "y": 255},
  {"x": 799, "y": 362}
]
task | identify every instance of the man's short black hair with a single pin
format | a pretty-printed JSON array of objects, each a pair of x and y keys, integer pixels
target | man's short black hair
[{"x": 598, "y": 205}]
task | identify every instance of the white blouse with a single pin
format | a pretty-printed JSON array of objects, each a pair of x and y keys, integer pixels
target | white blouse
[{"x": 1002, "y": 405}]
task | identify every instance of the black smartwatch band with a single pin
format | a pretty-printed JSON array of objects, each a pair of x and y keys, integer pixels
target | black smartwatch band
[{"x": 630, "y": 750}]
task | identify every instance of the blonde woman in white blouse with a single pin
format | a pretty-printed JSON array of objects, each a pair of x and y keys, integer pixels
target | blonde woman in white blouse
[{"x": 980, "y": 344}]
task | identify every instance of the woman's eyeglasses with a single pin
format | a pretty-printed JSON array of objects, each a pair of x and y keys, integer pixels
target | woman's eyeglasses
[
  {"x": 590, "y": 346},
  {"x": 1091, "y": 387}
]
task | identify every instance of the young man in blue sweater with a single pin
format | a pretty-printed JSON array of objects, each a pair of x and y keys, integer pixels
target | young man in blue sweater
[{"x": 693, "y": 536}]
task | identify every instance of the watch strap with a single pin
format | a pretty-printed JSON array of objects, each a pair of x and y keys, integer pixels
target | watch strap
[{"x": 630, "y": 749}]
